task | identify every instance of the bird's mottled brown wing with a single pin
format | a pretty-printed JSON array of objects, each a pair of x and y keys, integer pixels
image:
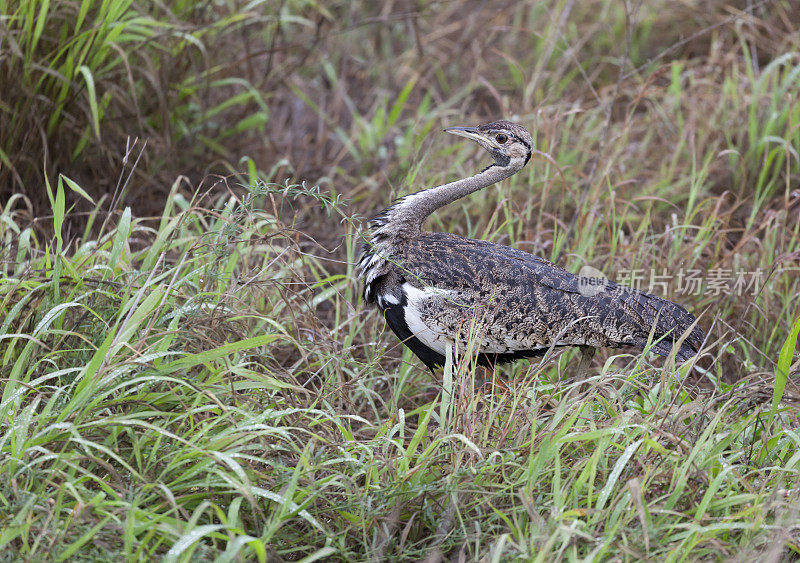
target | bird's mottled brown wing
[{"x": 523, "y": 302}]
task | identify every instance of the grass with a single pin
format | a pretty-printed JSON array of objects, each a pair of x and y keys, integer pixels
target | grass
[
  {"x": 204, "y": 383},
  {"x": 92, "y": 80}
]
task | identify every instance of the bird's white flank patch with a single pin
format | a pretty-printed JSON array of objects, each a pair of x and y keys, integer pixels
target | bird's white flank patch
[{"x": 415, "y": 297}]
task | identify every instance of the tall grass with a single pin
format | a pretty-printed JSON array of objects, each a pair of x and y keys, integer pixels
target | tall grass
[
  {"x": 211, "y": 393},
  {"x": 204, "y": 383},
  {"x": 86, "y": 79}
]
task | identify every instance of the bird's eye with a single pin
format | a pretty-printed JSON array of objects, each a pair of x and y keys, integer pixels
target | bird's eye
[{"x": 501, "y": 138}]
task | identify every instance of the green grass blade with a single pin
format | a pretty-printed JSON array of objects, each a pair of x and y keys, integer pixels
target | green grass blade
[{"x": 782, "y": 369}]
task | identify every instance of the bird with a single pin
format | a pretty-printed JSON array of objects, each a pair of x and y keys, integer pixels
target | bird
[{"x": 438, "y": 290}]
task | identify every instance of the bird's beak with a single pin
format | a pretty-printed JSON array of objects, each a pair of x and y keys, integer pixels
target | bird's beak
[
  {"x": 468, "y": 132},
  {"x": 472, "y": 133}
]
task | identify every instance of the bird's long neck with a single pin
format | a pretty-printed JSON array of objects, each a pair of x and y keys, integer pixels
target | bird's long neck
[{"x": 405, "y": 218}]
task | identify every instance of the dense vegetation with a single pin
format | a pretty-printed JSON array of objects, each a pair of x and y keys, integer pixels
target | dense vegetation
[{"x": 188, "y": 371}]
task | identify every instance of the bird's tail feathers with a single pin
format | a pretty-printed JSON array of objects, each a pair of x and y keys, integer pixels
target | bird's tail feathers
[{"x": 667, "y": 325}]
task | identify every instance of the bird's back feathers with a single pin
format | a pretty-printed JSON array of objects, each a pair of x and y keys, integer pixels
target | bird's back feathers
[{"x": 517, "y": 304}]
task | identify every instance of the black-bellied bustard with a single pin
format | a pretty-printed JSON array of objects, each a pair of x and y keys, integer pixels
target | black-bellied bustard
[{"x": 436, "y": 289}]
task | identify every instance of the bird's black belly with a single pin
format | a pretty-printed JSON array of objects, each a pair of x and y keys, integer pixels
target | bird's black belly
[{"x": 396, "y": 319}]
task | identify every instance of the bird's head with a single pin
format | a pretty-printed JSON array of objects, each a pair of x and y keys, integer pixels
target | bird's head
[{"x": 509, "y": 144}]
